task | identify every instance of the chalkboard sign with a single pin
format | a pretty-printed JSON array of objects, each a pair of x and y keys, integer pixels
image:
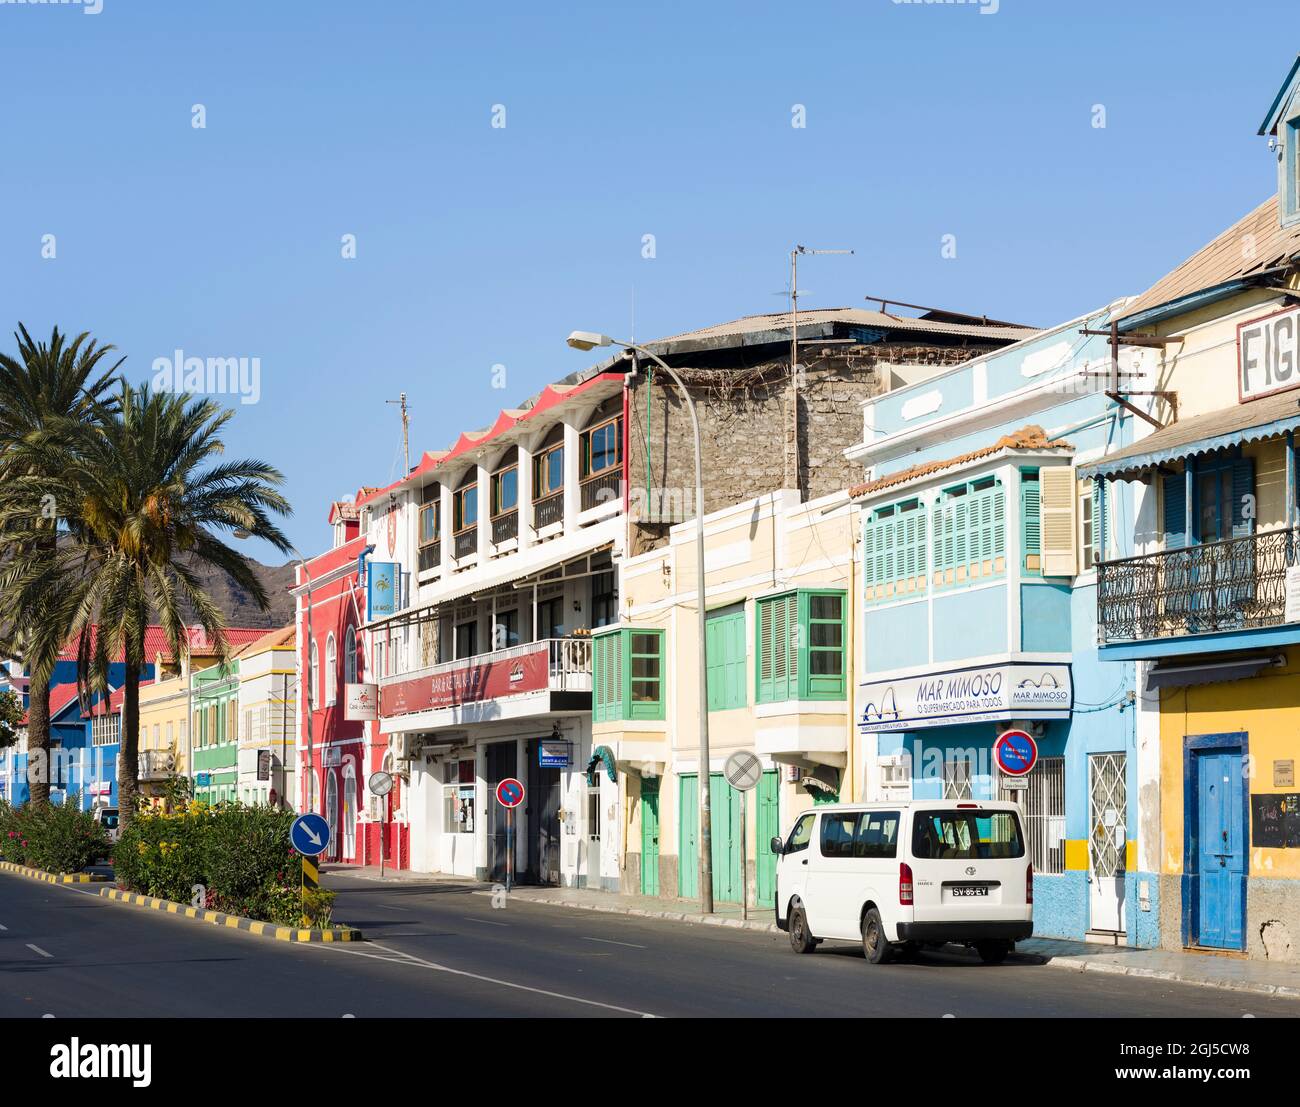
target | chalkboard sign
[{"x": 1275, "y": 820}]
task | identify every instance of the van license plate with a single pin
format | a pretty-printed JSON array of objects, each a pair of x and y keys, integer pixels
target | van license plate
[{"x": 970, "y": 890}]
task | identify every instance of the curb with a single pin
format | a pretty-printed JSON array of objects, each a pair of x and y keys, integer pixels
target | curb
[
  {"x": 1076, "y": 964},
  {"x": 236, "y": 922},
  {"x": 53, "y": 878}
]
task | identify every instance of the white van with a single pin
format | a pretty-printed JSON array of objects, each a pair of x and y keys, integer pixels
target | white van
[{"x": 900, "y": 876}]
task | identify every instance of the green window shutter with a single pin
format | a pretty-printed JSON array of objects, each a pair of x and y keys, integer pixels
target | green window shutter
[
  {"x": 725, "y": 636},
  {"x": 777, "y": 667},
  {"x": 763, "y": 653},
  {"x": 607, "y": 677},
  {"x": 643, "y": 674},
  {"x": 1030, "y": 525}
]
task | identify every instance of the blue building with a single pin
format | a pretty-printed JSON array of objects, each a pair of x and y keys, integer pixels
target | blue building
[{"x": 979, "y": 607}]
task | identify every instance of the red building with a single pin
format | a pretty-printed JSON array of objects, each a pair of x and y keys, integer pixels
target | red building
[{"x": 344, "y": 752}]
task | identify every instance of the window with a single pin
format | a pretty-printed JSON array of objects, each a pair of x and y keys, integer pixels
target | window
[
  {"x": 331, "y": 672},
  {"x": 969, "y": 539},
  {"x": 550, "y": 619},
  {"x": 548, "y": 472},
  {"x": 465, "y": 513},
  {"x": 1031, "y": 545},
  {"x": 627, "y": 674},
  {"x": 838, "y": 832},
  {"x": 1087, "y": 530},
  {"x": 593, "y": 807},
  {"x": 877, "y": 835},
  {"x": 801, "y": 647},
  {"x": 602, "y": 448},
  {"x": 604, "y": 599},
  {"x": 170, "y": 746},
  {"x": 350, "y": 656},
  {"x": 966, "y": 835},
  {"x": 314, "y": 685},
  {"x": 957, "y": 776},
  {"x": 894, "y": 552},
  {"x": 430, "y": 523},
  {"x": 505, "y": 490},
  {"x": 1042, "y": 808},
  {"x": 466, "y": 639},
  {"x": 505, "y": 631},
  {"x": 458, "y": 798},
  {"x": 724, "y": 635},
  {"x": 801, "y": 835},
  {"x": 232, "y": 718},
  {"x": 1220, "y": 487},
  {"x": 105, "y": 729}
]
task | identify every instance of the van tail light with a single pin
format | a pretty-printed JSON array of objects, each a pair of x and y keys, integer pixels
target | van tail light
[
  {"x": 905, "y": 884},
  {"x": 1029, "y": 883}
]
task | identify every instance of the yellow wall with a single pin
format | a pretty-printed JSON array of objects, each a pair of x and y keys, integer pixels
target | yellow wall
[{"x": 1267, "y": 708}]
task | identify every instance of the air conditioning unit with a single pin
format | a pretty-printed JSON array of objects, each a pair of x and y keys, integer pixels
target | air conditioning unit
[
  {"x": 403, "y": 746},
  {"x": 895, "y": 771}
]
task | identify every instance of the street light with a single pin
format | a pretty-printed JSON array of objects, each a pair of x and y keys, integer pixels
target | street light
[{"x": 589, "y": 340}]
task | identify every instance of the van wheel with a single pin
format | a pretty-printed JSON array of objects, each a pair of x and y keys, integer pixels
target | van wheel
[
  {"x": 801, "y": 941},
  {"x": 993, "y": 953},
  {"x": 874, "y": 946}
]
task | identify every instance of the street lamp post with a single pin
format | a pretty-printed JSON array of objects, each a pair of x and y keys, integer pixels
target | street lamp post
[{"x": 586, "y": 340}]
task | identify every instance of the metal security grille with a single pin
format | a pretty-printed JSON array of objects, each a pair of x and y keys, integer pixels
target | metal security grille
[
  {"x": 1108, "y": 806},
  {"x": 1042, "y": 807},
  {"x": 956, "y": 778}
]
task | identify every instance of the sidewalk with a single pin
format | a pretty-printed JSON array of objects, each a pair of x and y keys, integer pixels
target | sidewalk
[{"x": 1207, "y": 970}]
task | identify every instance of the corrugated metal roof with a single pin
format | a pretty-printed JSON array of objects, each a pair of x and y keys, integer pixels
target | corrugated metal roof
[
  {"x": 782, "y": 322},
  {"x": 1215, "y": 430},
  {"x": 1253, "y": 244}
]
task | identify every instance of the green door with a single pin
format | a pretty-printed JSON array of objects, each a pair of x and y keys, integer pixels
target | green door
[
  {"x": 724, "y": 809},
  {"x": 769, "y": 826},
  {"x": 650, "y": 836},
  {"x": 688, "y": 850}
]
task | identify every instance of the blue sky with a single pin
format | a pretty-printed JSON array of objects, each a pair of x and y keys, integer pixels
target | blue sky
[{"x": 480, "y": 246}]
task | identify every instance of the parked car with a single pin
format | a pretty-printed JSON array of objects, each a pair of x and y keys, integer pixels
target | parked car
[
  {"x": 901, "y": 876},
  {"x": 107, "y": 818}
]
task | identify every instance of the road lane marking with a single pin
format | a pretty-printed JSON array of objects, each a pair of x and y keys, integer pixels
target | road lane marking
[
  {"x": 485, "y": 922},
  {"x": 37, "y": 949},
  {"x": 390, "y": 907},
  {"x": 611, "y": 942},
  {"x": 4, "y": 928},
  {"x": 410, "y": 959}
]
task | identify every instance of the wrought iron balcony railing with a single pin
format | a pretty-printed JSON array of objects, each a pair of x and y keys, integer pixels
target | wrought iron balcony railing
[
  {"x": 466, "y": 542},
  {"x": 1236, "y": 584},
  {"x": 602, "y": 488},
  {"x": 548, "y": 510},
  {"x": 505, "y": 527},
  {"x": 430, "y": 556}
]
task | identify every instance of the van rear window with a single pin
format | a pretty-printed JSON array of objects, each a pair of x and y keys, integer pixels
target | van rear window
[{"x": 966, "y": 835}]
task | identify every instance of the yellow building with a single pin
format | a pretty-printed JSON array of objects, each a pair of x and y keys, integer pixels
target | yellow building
[
  {"x": 268, "y": 706},
  {"x": 1210, "y": 608},
  {"x": 780, "y": 582}
]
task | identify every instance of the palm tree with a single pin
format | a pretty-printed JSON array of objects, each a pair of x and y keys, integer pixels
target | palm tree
[
  {"x": 149, "y": 505},
  {"x": 49, "y": 395}
]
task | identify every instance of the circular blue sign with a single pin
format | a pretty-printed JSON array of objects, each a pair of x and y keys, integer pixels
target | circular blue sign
[
  {"x": 1015, "y": 751},
  {"x": 510, "y": 792},
  {"x": 310, "y": 834}
]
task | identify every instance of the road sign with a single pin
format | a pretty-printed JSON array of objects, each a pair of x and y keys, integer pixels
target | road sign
[
  {"x": 510, "y": 792},
  {"x": 310, "y": 834},
  {"x": 743, "y": 770},
  {"x": 1015, "y": 751},
  {"x": 380, "y": 784}
]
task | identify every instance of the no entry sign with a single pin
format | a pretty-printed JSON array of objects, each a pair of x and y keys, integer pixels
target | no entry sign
[
  {"x": 1015, "y": 751},
  {"x": 510, "y": 792}
]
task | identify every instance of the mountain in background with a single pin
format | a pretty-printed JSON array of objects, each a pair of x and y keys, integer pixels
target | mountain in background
[{"x": 238, "y": 606}]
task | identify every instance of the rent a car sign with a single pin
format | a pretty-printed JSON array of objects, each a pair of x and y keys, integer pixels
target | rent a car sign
[{"x": 1267, "y": 354}]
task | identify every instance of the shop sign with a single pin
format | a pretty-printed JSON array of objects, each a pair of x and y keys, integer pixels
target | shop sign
[
  {"x": 360, "y": 702},
  {"x": 984, "y": 693},
  {"x": 554, "y": 753},
  {"x": 475, "y": 680},
  {"x": 1267, "y": 354}
]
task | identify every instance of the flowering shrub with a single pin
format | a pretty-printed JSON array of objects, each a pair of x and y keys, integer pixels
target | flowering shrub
[
  {"x": 57, "y": 838},
  {"x": 238, "y": 854}
]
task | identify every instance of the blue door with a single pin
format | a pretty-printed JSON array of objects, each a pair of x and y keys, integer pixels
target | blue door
[{"x": 1220, "y": 852}]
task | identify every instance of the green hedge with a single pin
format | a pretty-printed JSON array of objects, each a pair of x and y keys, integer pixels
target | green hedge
[
  {"x": 233, "y": 857},
  {"x": 57, "y": 838}
]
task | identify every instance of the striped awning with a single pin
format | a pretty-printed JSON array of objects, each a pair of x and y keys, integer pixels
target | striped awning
[{"x": 1248, "y": 422}]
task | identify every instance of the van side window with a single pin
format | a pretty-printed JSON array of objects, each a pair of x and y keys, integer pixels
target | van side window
[
  {"x": 837, "y": 834},
  {"x": 877, "y": 835},
  {"x": 801, "y": 834}
]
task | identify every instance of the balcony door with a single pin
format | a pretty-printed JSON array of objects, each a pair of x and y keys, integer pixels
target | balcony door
[{"x": 1107, "y": 841}]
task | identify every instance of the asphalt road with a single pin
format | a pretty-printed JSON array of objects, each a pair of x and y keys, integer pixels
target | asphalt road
[{"x": 443, "y": 950}]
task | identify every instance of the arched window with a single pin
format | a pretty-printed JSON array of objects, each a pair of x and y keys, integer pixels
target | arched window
[
  {"x": 331, "y": 672},
  {"x": 313, "y": 685},
  {"x": 349, "y": 809},
  {"x": 350, "y": 656}
]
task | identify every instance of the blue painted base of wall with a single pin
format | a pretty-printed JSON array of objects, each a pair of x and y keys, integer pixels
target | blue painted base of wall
[
  {"x": 1061, "y": 906},
  {"x": 1143, "y": 926}
]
